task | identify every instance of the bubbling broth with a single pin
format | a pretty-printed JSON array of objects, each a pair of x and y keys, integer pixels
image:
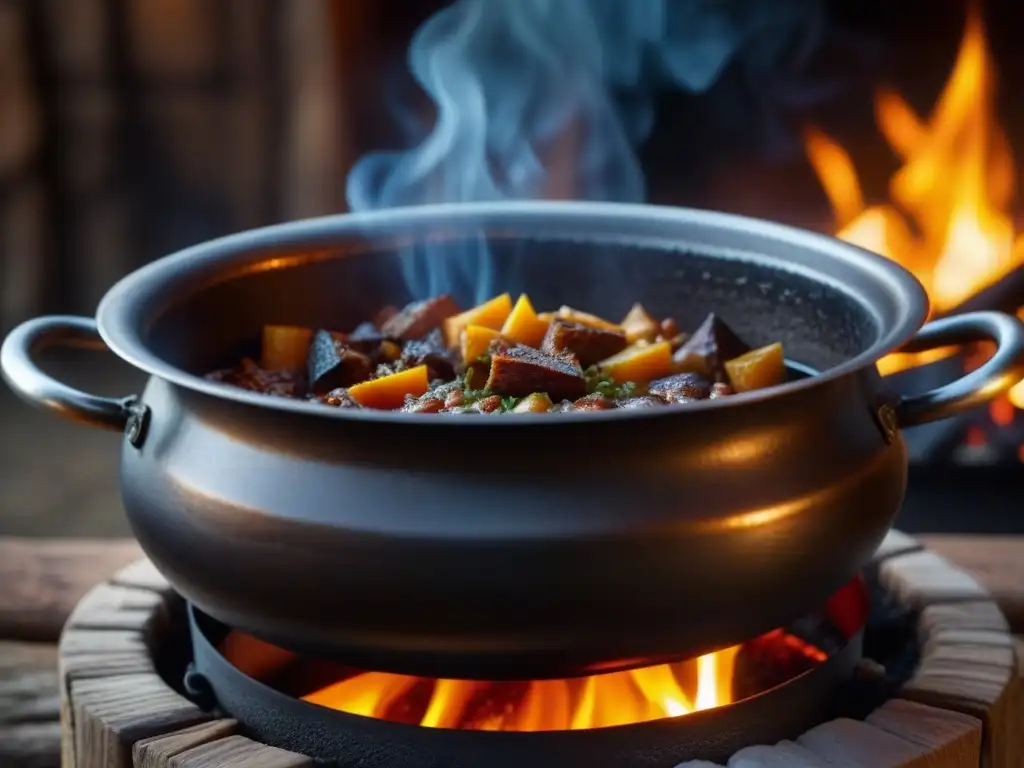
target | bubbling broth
[{"x": 502, "y": 356}]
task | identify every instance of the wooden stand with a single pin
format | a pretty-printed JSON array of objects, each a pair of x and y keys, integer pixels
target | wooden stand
[{"x": 962, "y": 709}]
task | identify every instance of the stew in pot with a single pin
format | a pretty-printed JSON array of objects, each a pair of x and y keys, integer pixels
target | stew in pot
[{"x": 504, "y": 357}]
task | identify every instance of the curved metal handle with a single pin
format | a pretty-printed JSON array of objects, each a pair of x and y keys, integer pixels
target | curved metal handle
[
  {"x": 997, "y": 375},
  {"x": 38, "y": 388}
]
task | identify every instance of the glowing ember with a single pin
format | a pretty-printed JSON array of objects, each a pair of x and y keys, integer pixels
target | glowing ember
[
  {"x": 616, "y": 698},
  {"x": 949, "y": 220}
]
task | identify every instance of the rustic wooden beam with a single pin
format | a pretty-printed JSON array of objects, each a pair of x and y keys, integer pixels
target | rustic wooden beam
[{"x": 43, "y": 580}]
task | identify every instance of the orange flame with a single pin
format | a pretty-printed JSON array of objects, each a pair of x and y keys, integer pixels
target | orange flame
[
  {"x": 948, "y": 221},
  {"x": 615, "y": 698}
]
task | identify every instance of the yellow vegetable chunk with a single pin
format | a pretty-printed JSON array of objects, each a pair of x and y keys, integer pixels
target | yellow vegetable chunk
[
  {"x": 523, "y": 326},
  {"x": 491, "y": 314},
  {"x": 639, "y": 364},
  {"x": 388, "y": 392},
  {"x": 285, "y": 347},
  {"x": 585, "y": 318},
  {"x": 640, "y": 326},
  {"x": 538, "y": 402},
  {"x": 757, "y": 369},
  {"x": 476, "y": 341}
]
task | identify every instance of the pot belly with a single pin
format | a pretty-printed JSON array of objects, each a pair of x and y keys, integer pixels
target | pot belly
[{"x": 411, "y": 568}]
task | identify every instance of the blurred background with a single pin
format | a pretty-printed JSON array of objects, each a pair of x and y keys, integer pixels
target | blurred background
[{"x": 132, "y": 128}]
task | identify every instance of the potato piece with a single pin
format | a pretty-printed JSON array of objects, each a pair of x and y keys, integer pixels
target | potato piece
[
  {"x": 640, "y": 326},
  {"x": 523, "y": 326},
  {"x": 491, "y": 314},
  {"x": 419, "y": 318},
  {"x": 538, "y": 402},
  {"x": 587, "y": 343},
  {"x": 757, "y": 369},
  {"x": 585, "y": 318},
  {"x": 521, "y": 371},
  {"x": 388, "y": 392},
  {"x": 476, "y": 342},
  {"x": 285, "y": 347},
  {"x": 639, "y": 364}
]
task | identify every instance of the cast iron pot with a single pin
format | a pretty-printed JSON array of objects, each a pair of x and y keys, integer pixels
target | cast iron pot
[{"x": 515, "y": 547}]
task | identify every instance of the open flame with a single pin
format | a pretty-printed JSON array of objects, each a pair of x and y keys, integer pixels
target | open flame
[
  {"x": 615, "y": 698},
  {"x": 949, "y": 218}
]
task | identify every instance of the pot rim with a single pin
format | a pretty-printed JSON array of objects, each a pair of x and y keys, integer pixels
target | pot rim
[{"x": 122, "y": 309}]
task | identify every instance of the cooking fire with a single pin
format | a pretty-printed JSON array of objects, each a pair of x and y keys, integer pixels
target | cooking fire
[
  {"x": 596, "y": 701},
  {"x": 949, "y": 218}
]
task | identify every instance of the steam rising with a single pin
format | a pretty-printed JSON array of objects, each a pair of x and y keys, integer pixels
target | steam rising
[{"x": 548, "y": 99}]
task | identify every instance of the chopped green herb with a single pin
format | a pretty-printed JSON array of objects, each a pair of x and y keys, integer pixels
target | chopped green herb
[
  {"x": 602, "y": 384},
  {"x": 508, "y": 403}
]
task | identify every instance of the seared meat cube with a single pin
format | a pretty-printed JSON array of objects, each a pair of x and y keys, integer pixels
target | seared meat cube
[
  {"x": 419, "y": 318},
  {"x": 521, "y": 370},
  {"x": 366, "y": 338},
  {"x": 248, "y": 375},
  {"x": 586, "y": 343},
  {"x": 432, "y": 352},
  {"x": 681, "y": 387},
  {"x": 643, "y": 401},
  {"x": 594, "y": 402},
  {"x": 707, "y": 350},
  {"x": 339, "y": 398},
  {"x": 719, "y": 389},
  {"x": 334, "y": 364}
]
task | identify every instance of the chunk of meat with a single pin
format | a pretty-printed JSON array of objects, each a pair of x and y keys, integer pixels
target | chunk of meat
[
  {"x": 588, "y": 344},
  {"x": 333, "y": 363},
  {"x": 521, "y": 371},
  {"x": 594, "y": 402},
  {"x": 366, "y": 337},
  {"x": 706, "y": 351},
  {"x": 432, "y": 352},
  {"x": 681, "y": 387},
  {"x": 248, "y": 375},
  {"x": 419, "y": 318}
]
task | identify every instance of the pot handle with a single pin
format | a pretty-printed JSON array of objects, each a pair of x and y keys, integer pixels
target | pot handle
[
  {"x": 997, "y": 375},
  {"x": 38, "y": 388}
]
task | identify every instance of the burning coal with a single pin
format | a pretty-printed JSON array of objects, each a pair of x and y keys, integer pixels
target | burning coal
[{"x": 548, "y": 99}]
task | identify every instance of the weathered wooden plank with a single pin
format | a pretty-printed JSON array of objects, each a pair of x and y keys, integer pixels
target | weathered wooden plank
[
  {"x": 952, "y": 739},
  {"x": 995, "y": 561},
  {"x": 237, "y": 752},
  {"x": 29, "y": 705},
  {"x": 157, "y": 751},
  {"x": 111, "y": 714},
  {"x": 896, "y": 543},
  {"x": 918, "y": 579},
  {"x": 853, "y": 743}
]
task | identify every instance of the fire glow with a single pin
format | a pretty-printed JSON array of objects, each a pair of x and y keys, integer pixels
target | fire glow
[
  {"x": 598, "y": 701},
  {"x": 949, "y": 217}
]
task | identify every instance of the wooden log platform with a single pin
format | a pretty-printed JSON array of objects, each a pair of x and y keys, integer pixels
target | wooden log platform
[{"x": 963, "y": 706}]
